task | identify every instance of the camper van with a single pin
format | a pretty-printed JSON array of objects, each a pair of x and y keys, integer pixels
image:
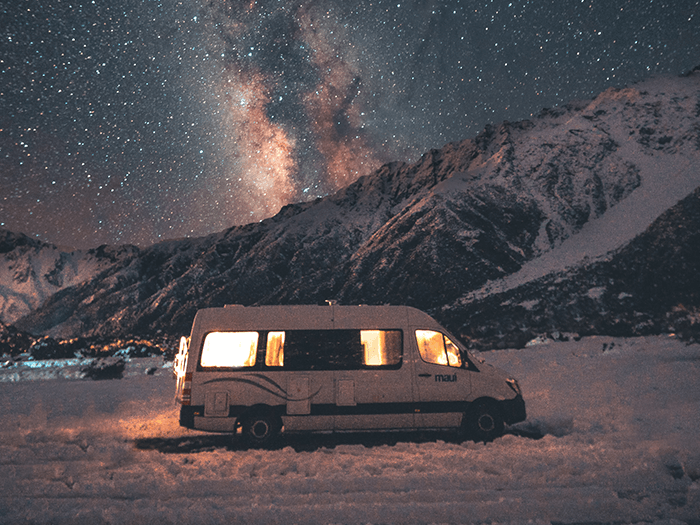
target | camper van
[{"x": 261, "y": 371}]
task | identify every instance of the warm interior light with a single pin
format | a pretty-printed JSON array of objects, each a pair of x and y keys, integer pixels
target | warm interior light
[
  {"x": 454, "y": 356},
  {"x": 229, "y": 349},
  {"x": 274, "y": 356},
  {"x": 431, "y": 346},
  {"x": 181, "y": 358},
  {"x": 372, "y": 343},
  {"x": 381, "y": 347}
]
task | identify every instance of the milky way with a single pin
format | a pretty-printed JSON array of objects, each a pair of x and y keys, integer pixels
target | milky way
[{"x": 134, "y": 121}]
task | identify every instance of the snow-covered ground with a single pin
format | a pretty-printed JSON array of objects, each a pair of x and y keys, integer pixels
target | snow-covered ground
[{"x": 620, "y": 420}]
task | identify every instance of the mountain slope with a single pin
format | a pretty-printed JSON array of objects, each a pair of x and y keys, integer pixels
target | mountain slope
[
  {"x": 31, "y": 271},
  {"x": 649, "y": 286},
  {"x": 477, "y": 217}
]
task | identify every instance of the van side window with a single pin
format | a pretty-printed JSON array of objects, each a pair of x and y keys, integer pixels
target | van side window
[
  {"x": 381, "y": 347},
  {"x": 229, "y": 350},
  {"x": 437, "y": 348},
  {"x": 322, "y": 350},
  {"x": 334, "y": 349},
  {"x": 454, "y": 356},
  {"x": 274, "y": 353}
]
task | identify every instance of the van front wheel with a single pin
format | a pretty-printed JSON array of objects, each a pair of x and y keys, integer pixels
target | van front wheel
[
  {"x": 483, "y": 422},
  {"x": 260, "y": 430}
]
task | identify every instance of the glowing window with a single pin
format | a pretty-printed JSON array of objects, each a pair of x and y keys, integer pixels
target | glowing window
[
  {"x": 230, "y": 349},
  {"x": 431, "y": 346},
  {"x": 381, "y": 347},
  {"x": 180, "y": 362},
  {"x": 454, "y": 356},
  {"x": 274, "y": 356},
  {"x": 437, "y": 348}
]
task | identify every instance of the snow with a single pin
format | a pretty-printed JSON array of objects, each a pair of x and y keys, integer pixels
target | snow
[
  {"x": 619, "y": 420},
  {"x": 623, "y": 222},
  {"x": 665, "y": 177},
  {"x": 32, "y": 274},
  {"x": 28, "y": 369}
]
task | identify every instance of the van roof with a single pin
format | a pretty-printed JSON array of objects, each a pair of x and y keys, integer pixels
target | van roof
[{"x": 311, "y": 317}]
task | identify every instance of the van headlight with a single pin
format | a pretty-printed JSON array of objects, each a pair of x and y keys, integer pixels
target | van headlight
[{"x": 512, "y": 383}]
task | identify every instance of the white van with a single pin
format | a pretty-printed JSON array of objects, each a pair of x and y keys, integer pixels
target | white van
[{"x": 271, "y": 369}]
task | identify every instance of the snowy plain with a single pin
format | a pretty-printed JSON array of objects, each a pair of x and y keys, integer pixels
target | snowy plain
[{"x": 611, "y": 437}]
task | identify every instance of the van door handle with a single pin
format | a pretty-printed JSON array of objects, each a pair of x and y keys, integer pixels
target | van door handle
[{"x": 424, "y": 375}]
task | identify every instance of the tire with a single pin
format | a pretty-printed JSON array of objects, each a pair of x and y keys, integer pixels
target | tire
[
  {"x": 484, "y": 423},
  {"x": 261, "y": 429}
]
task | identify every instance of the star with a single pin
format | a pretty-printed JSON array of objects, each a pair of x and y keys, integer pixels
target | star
[{"x": 134, "y": 122}]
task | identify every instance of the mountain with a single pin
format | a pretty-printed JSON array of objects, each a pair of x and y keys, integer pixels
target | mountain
[
  {"x": 31, "y": 270},
  {"x": 649, "y": 286},
  {"x": 465, "y": 233}
]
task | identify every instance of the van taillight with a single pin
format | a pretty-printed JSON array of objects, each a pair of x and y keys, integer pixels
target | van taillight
[{"x": 186, "y": 397}]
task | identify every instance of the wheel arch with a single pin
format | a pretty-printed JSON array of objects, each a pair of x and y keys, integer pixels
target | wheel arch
[
  {"x": 480, "y": 407},
  {"x": 259, "y": 409}
]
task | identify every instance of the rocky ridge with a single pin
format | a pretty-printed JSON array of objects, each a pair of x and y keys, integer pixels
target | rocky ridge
[
  {"x": 31, "y": 271},
  {"x": 497, "y": 214}
]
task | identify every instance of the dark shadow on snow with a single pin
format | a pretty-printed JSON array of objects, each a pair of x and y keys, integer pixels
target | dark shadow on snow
[
  {"x": 184, "y": 445},
  {"x": 530, "y": 433},
  {"x": 308, "y": 442}
]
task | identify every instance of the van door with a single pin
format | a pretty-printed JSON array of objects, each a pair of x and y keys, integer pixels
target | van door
[
  {"x": 443, "y": 383},
  {"x": 367, "y": 400},
  {"x": 376, "y": 391}
]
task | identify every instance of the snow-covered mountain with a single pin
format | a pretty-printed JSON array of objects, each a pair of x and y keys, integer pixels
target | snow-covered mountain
[
  {"x": 31, "y": 270},
  {"x": 648, "y": 286},
  {"x": 516, "y": 210}
]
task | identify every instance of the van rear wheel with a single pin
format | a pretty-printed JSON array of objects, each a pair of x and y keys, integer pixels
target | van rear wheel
[
  {"x": 483, "y": 422},
  {"x": 261, "y": 429}
]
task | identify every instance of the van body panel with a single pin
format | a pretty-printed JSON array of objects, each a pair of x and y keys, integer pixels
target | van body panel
[
  {"x": 214, "y": 424},
  {"x": 380, "y": 399},
  {"x": 490, "y": 379},
  {"x": 216, "y": 403},
  {"x": 299, "y": 400},
  {"x": 442, "y": 394},
  {"x": 312, "y": 423},
  {"x": 376, "y": 377},
  {"x": 345, "y": 393}
]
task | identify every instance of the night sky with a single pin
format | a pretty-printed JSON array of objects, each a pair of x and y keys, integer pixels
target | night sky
[{"x": 134, "y": 121}]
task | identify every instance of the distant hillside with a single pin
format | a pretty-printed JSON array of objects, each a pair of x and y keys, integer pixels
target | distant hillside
[
  {"x": 31, "y": 270},
  {"x": 498, "y": 214}
]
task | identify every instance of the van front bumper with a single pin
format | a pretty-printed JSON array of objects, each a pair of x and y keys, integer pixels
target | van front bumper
[{"x": 513, "y": 410}]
